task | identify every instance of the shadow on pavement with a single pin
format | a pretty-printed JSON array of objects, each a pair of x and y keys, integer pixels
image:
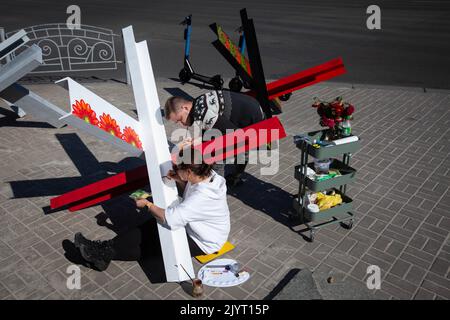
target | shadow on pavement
[
  {"x": 265, "y": 197},
  {"x": 10, "y": 120},
  {"x": 198, "y": 85},
  {"x": 177, "y": 92},
  {"x": 90, "y": 168}
]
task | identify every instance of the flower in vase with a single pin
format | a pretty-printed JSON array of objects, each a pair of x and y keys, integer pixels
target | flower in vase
[
  {"x": 349, "y": 110},
  {"x": 327, "y": 122}
]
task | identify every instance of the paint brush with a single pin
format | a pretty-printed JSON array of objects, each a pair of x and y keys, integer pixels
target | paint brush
[{"x": 187, "y": 273}]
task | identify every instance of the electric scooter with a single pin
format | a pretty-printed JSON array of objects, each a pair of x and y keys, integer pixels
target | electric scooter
[
  {"x": 237, "y": 83},
  {"x": 187, "y": 73}
]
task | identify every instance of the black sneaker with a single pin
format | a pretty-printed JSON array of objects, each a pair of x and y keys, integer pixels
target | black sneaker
[
  {"x": 80, "y": 239},
  {"x": 99, "y": 254}
]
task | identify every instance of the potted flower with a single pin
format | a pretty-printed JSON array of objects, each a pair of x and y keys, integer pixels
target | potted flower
[{"x": 336, "y": 115}]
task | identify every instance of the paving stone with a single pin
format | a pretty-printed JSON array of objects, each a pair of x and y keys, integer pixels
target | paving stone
[
  {"x": 418, "y": 241},
  {"x": 43, "y": 248},
  {"x": 359, "y": 250},
  {"x": 100, "y": 295},
  {"x": 415, "y": 275},
  {"x": 400, "y": 283},
  {"x": 440, "y": 267},
  {"x": 13, "y": 283},
  {"x": 395, "y": 248},
  {"x": 384, "y": 265},
  {"x": 346, "y": 244},
  {"x": 423, "y": 294},
  {"x": 400, "y": 268},
  {"x": 322, "y": 252},
  {"x": 219, "y": 294},
  {"x": 382, "y": 243},
  {"x": 4, "y": 293},
  {"x": 419, "y": 253},
  {"x": 381, "y": 295},
  {"x": 126, "y": 289},
  {"x": 306, "y": 261},
  {"x": 145, "y": 293},
  {"x": 341, "y": 261},
  {"x": 301, "y": 286},
  {"x": 436, "y": 288},
  {"x": 395, "y": 291},
  {"x": 360, "y": 270}
]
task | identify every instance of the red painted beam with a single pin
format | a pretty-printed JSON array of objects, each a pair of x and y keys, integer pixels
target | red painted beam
[
  {"x": 109, "y": 194},
  {"x": 98, "y": 187},
  {"x": 212, "y": 151},
  {"x": 243, "y": 140},
  {"x": 302, "y": 79},
  {"x": 306, "y": 78}
]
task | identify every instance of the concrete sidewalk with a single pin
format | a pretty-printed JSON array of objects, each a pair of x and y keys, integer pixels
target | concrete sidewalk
[{"x": 401, "y": 203}]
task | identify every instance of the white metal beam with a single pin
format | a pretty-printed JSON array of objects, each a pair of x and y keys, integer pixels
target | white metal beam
[
  {"x": 25, "y": 62},
  {"x": 13, "y": 43},
  {"x": 174, "y": 243},
  {"x": 33, "y": 104}
]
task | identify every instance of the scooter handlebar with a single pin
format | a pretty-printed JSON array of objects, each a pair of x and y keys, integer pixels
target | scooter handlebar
[{"x": 186, "y": 20}]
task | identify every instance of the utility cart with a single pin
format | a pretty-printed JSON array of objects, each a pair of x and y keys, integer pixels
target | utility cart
[{"x": 313, "y": 144}]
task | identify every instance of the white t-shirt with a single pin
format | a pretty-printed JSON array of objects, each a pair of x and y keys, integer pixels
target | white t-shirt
[{"x": 204, "y": 213}]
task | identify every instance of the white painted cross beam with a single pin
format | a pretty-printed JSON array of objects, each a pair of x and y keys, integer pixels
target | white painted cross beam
[
  {"x": 174, "y": 243},
  {"x": 25, "y": 62},
  {"x": 19, "y": 67},
  {"x": 31, "y": 103}
]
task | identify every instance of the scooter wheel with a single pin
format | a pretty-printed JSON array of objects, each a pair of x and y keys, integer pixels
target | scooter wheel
[
  {"x": 184, "y": 75},
  {"x": 285, "y": 97},
  {"x": 235, "y": 84}
]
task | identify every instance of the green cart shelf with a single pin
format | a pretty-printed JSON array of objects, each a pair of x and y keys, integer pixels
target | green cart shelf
[
  {"x": 338, "y": 214},
  {"x": 329, "y": 151},
  {"x": 347, "y": 175}
]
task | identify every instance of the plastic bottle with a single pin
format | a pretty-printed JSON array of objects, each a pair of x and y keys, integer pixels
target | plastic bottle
[{"x": 346, "y": 127}]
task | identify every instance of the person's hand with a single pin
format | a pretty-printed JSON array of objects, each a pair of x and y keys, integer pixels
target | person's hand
[
  {"x": 173, "y": 175},
  {"x": 185, "y": 143},
  {"x": 141, "y": 203}
]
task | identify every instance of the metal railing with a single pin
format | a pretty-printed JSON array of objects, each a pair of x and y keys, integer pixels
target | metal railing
[{"x": 89, "y": 48}]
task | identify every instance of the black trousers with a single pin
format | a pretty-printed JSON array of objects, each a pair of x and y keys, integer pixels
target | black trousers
[
  {"x": 242, "y": 111},
  {"x": 142, "y": 242}
]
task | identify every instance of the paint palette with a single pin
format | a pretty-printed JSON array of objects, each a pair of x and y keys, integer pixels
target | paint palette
[
  {"x": 140, "y": 194},
  {"x": 220, "y": 277}
]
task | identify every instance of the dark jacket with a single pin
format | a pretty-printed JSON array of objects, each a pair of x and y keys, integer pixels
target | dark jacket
[{"x": 224, "y": 110}]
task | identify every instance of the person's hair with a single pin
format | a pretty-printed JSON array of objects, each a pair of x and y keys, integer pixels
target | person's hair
[
  {"x": 173, "y": 105},
  {"x": 195, "y": 163}
]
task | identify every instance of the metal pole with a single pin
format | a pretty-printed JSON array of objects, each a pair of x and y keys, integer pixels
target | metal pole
[
  {"x": 2, "y": 37},
  {"x": 125, "y": 61}
]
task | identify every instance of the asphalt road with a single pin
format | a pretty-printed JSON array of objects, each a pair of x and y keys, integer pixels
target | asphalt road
[{"x": 411, "y": 49}]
